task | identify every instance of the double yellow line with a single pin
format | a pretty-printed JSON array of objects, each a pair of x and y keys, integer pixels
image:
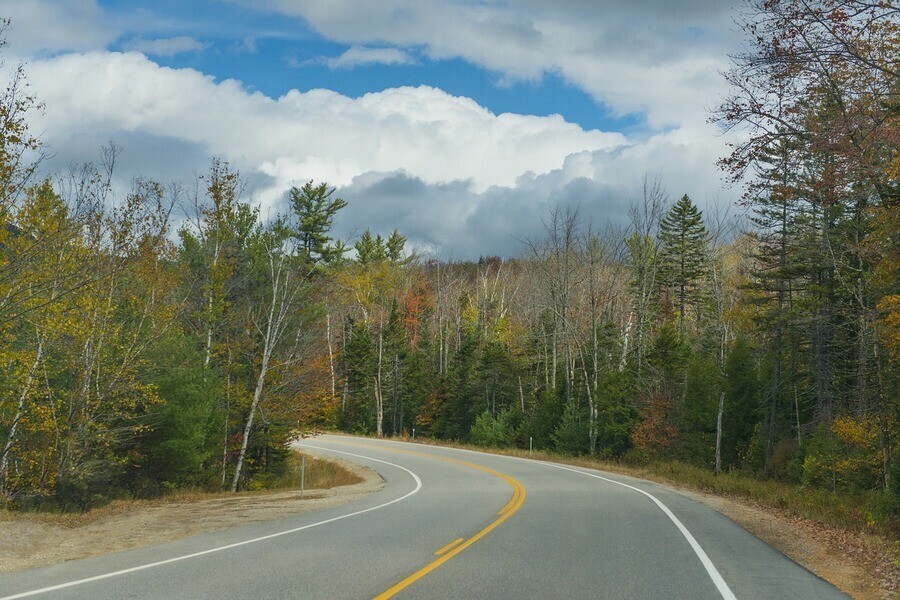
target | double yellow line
[{"x": 459, "y": 544}]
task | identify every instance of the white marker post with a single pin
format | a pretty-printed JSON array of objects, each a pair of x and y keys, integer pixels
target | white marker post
[
  {"x": 414, "y": 433},
  {"x": 530, "y": 441}
]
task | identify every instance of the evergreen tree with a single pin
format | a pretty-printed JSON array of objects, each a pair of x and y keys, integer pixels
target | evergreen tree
[
  {"x": 394, "y": 247},
  {"x": 315, "y": 209},
  {"x": 358, "y": 365},
  {"x": 697, "y": 411},
  {"x": 571, "y": 435},
  {"x": 370, "y": 248},
  {"x": 777, "y": 216},
  {"x": 683, "y": 238},
  {"x": 742, "y": 403}
]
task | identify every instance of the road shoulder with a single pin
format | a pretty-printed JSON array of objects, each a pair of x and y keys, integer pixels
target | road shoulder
[
  {"x": 38, "y": 540},
  {"x": 859, "y": 564}
]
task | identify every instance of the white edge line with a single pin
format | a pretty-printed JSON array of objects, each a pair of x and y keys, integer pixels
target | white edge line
[
  {"x": 235, "y": 545},
  {"x": 714, "y": 574}
]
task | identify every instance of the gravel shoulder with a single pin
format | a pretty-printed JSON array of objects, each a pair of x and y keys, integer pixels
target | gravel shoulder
[{"x": 34, "y": 540}]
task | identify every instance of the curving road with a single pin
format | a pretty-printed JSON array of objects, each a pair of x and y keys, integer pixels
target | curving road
[{"x": 454, "y": 524}]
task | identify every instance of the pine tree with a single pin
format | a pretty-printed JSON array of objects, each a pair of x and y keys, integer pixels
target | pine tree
[
  {"x": 776, "y": 214},
  {"x": 395, "y": 246},
  {"x": 315, "y": 209},
  {"x": 370, "y": 248},
  {"x": 683, "y": 239}
]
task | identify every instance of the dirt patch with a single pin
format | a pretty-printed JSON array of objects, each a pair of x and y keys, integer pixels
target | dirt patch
[
  {"x": 34, "y": 540},
  {"x": 863, "y": 566}
]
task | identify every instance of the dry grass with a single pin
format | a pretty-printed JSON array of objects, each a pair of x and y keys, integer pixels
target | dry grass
[
  {"x": 35, "y": 539},
  {"x": 321, "y": 474}
]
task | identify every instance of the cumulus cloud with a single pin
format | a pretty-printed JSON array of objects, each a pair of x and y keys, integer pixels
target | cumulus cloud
[
  {"x": 421, "y": 131},
  {"x": 659, "y": 57},
  {"x": 51, "y": 26},
  {"x": 442, "y": 168},
  {"x": 167, "y": 46},
  {"x": 467, "y": 223}
]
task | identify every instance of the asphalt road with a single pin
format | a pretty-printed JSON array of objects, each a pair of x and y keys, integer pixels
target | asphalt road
[{"x": 454, "y": 524}]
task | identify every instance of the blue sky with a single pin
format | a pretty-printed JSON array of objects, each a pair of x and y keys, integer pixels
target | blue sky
[
  {"x": 273, "y": 54},
  {"x": 460, "y": 122}
]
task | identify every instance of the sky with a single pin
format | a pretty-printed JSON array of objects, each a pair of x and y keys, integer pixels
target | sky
[{"x": 461, "y": 123}]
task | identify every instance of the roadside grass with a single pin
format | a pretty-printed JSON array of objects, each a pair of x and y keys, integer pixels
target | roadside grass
[
  {"x": 321, "y": 474},
  {"x": 863, "y": 512}
]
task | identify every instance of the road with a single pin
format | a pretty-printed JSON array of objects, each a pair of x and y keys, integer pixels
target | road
[{"x": 452, "y": 523}]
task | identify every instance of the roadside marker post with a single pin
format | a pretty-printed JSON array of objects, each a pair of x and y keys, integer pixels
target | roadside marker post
[
  {"x": 530, "y": 440},
  {"x": 302, "y": 473},
  {"x": 414, "y": 433}
]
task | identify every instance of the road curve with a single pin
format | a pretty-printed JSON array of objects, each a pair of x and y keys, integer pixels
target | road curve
[{"x": 453, "y": 523}]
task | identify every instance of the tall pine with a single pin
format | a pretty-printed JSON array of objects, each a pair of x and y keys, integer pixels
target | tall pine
[
  {"x": 683, "y": 239},
  {"x": 315, "y": 209}
]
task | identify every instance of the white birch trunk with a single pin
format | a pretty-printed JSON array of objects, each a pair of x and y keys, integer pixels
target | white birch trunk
[
  {"x": 330, "y": 354},
  {"x": 257, "y": 395},
  {"x": 20, "y": 409}
]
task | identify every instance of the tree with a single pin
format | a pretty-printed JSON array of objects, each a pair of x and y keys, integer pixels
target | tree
[
  {"x": 642, "y": 246},
  {"x": 683, "y": 254},
  {"x": 274, "y": 309},
  {"x": 19, "y": 149},
  {"x": 370, "y": 249},
  {"x": 315, "y": 209},
  {"x": 395, "y": 245},
  {"x": 819, "y": 82}
]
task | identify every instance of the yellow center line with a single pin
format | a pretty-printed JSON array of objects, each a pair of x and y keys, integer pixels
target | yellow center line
[
  {"x": 514, "y": 504},
  {"x": 448, "y": 546},
  {"x": 512, "y": 501}
]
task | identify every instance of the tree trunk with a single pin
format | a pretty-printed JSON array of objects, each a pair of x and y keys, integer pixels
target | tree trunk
[
  {"x": 521, "y": 395},
  {"x": 280, "y": 300},
  {"x": 719, "y": 433},
  {"x": 257, "y": 395},
  {"x": 592, "y": 415},
  {"x": 625, "y": 337},
  {"x": 225, "y": 428},
  {"x": 20, "y": 409},
  {"x": 379, "y": 401},
  {"x": 330, "y": 353}
]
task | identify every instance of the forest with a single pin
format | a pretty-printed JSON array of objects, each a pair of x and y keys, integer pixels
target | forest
[{"x": 172, "y": 335}]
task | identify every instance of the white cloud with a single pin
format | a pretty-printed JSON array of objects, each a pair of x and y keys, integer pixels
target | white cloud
[
  {"x": 50, "y": 26},
  {"x": 442, "y": 168},
  {"x": 318, "y": 134},
  {"x": 466, "y": 223},
  {"x": 357, "y": 56},
  {"x": 167, "y": 46},
  {"x": 661, "y": 57}
]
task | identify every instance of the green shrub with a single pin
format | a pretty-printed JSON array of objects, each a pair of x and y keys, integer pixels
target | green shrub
[{"x": 490, "y": 431}]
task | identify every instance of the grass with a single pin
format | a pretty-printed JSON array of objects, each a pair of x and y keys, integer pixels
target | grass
[{"x": 321, "y": 474}]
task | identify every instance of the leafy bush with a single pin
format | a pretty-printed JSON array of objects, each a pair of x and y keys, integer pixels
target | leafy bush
[{"x": 844, "y": 456}]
